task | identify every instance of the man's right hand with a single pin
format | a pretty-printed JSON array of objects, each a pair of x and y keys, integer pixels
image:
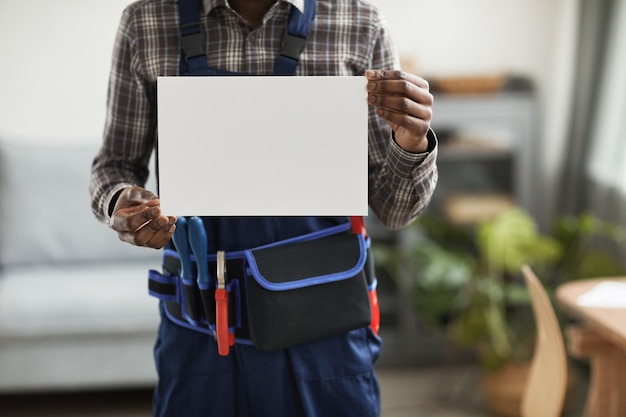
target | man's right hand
[{"x": 137, "y": 219}]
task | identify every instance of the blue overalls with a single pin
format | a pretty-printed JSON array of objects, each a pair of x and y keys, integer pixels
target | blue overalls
[{"x": 327, "y": 378}]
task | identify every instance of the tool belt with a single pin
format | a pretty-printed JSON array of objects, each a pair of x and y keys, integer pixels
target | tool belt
[{"x": 278, "y": 295}]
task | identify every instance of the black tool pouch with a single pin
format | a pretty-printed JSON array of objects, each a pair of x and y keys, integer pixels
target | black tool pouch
[
  {"x": 193, "y": 302},
  {"x": 308, "y": 290}
]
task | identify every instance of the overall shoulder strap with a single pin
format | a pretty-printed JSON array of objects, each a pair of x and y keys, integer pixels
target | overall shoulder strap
[
  {"x": 193, "y": 58},
  {"x": 192, "y": 55},
  {"x": 294, "y": 39}
]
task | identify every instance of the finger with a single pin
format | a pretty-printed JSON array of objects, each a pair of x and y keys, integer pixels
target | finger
[
  {"x": 402, "y": 105},
  {"x": 150, "y": 214},
  {"x": 398, "y": 83},
  {"x": 139, "y": 195},
  {"x": 417, "y": 126},
  {"x": 155, "y": 234},
  {"x": 133, "y": 218},
  {"x": 384, "y": 75},
  {"x": 162, "y": 237},
  {"x": 400, "y": 88}
]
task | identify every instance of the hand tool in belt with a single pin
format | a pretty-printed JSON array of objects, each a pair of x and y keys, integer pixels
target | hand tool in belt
[
  {"x": 182, "y": 246},
  {"x": 192, "y": 304},
  {"x": 224, "y": 338},
  {"x": 198, "y": 243}
]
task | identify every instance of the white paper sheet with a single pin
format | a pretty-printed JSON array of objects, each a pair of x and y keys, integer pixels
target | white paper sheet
[
  {"x": 273, "y": 145},
  {"x": 607, "y": 294}
]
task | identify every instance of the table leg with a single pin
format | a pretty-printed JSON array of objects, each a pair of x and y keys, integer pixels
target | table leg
[
  {"x": 607, "y": 388},
  {"x": 618, "y": 382}
]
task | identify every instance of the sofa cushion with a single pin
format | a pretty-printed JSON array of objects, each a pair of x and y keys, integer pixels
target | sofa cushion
[
  {"x": 45, "y": 214},
  {"x": 76, "y": 299}
]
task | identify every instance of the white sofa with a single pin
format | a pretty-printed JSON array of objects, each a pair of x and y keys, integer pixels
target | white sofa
[{"x": 74, "y": 308}]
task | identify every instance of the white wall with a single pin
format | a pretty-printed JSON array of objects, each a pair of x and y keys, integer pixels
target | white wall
[
  {"x": 452, "y": 37},
  {"x": 56, "y": 57},
  {"x": 56, "y": 54}
]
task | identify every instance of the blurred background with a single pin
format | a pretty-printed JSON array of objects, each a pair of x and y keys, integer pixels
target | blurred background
[{"x": 530, "y": 98}]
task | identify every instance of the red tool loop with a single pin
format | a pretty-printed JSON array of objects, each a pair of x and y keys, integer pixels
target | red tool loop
[{"x": 358, "y": 227}]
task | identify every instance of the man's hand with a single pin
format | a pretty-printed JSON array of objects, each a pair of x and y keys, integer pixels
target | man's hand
[
  {"x": 137, "y": 219},
  {"x": 404, "y": 100}
]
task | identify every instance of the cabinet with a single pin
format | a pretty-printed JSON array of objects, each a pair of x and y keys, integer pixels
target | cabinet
[{"x": 488, "y": 143}]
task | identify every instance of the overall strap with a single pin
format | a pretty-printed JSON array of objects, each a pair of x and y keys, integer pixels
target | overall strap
[
  {"x": 192, "y": 57},
  {"x": 193, "y": 60},
  {"x": 294, "y": 39}
]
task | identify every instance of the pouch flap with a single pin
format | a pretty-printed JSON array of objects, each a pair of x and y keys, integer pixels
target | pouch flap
[{"x": 303, "y": 264}]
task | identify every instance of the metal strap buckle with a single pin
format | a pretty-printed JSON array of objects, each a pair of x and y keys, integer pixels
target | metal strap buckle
[
  {"x": 221, "y": 269},
  {"x": 292, "y": 46},
  {"x": 192, "y": 41}
]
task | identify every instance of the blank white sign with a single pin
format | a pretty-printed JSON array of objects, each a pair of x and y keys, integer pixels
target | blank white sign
[{"x": 262, "y": 146}]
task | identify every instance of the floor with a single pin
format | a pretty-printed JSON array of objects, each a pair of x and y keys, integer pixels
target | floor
[{"x": 406, "y": 392}]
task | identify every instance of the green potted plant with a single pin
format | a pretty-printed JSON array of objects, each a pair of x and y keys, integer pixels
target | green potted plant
[{"x": 465, "y": 282}]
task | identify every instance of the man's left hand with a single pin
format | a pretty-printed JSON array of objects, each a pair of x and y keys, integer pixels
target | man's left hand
[{"x": 404, "y": 100}]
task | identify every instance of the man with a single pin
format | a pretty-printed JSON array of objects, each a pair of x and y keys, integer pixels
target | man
[{"x": 333, "y": 376}]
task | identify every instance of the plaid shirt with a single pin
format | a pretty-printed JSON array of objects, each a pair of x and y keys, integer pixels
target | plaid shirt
[{"x": 347, "y": 37}]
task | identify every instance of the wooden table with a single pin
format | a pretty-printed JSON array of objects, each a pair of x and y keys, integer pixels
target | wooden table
[{"x": 601, "y": 337}]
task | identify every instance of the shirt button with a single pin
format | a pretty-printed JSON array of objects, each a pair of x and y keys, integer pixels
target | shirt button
[{"x": 252, "y": 38}]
